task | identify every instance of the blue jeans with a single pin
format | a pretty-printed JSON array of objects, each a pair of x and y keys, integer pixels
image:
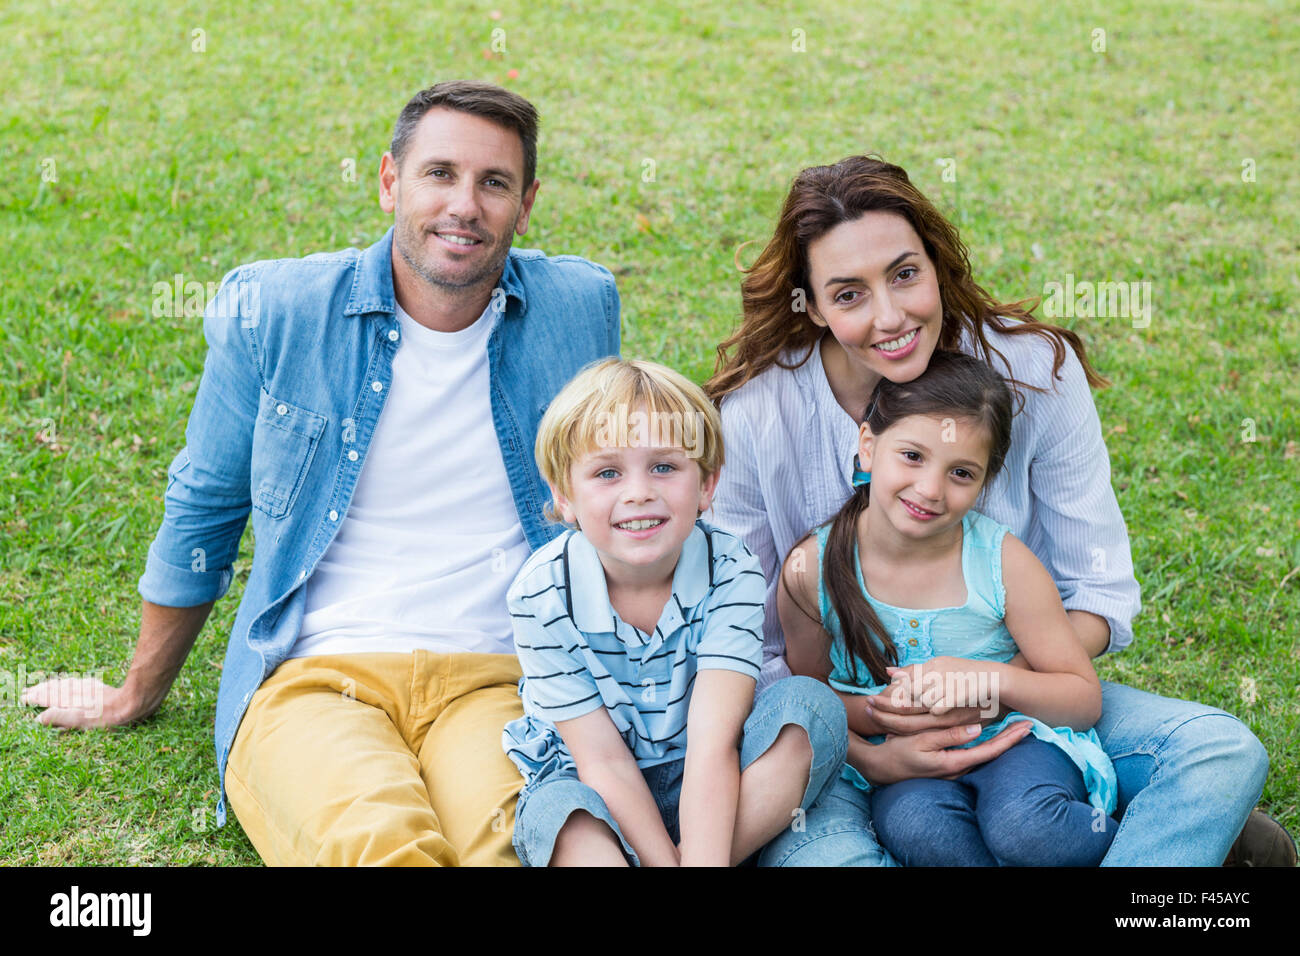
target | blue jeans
[
  {"x": 548, "y": 800},
  {"x": 1188, "y": 778},
  {"x": 1028, "y": 807}
]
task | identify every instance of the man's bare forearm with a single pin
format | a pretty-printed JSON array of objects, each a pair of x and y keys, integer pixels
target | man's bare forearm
[{"x": 166, "y": 636}]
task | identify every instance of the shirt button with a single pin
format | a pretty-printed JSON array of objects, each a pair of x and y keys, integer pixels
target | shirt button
[
  {"x": 282, "y": 409},
  {"x": 352, "y": 455},
  {"x": 334, "y": 515},
  {"x": 912, "y": 642},
  {"x": 377, "y": 386},
  {"x": 392, "y": 335},
  {"x": 914, "y": 622}
]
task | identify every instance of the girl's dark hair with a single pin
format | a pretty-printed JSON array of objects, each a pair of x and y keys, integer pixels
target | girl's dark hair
[{"x": 953, "y": 385}]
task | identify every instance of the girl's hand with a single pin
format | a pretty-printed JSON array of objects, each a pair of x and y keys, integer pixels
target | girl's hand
[{"x": 944, "y": 684}]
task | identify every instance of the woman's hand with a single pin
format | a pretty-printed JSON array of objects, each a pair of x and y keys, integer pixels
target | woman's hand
[{"x": 927, "y": 753}]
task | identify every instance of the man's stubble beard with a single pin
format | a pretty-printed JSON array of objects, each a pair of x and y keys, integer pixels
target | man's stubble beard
[{"x": 490, "y": 272}]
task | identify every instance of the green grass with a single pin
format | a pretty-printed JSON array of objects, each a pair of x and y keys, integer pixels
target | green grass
[{"x": 1122, "y": 165}]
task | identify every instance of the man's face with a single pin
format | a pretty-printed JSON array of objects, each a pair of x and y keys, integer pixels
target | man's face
[{"x": 457, "y": 199}]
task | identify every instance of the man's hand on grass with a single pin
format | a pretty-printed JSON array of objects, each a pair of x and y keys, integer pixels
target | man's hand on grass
[{"x": 78, "y": 703}]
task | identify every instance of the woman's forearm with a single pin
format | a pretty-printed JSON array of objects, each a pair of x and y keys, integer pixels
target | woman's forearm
[
  {"x": 860, "y": 720},
  {"x": 863, "y": 757}
]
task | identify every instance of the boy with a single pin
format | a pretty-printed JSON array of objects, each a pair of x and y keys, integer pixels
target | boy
[{"x": 642, "y": 627}]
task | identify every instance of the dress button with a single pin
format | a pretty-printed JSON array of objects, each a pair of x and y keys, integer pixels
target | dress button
[
  {"x": 282, "y": 409},
  {"x": 377, "y": 386},
  {"x": 392, "y": 335},
  {"x": 912, "y": 642},
  {"x": 334, "y": 515},
  {"x": 914, "y": 622},
  {"x": 352, "y": 455}
]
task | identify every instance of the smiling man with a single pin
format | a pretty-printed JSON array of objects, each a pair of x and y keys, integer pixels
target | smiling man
[{"x": 375, "y": 412}]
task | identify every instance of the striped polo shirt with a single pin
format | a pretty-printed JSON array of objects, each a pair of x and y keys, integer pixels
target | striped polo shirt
[{"x": 577, "y": 654}]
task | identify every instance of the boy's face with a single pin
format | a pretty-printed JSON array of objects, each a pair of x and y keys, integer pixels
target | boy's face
[{"x": 636, "y": 506}]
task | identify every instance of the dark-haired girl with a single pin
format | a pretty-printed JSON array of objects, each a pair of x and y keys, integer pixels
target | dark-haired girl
[
  {"x": 910, "y": 593},
  {"x": 864, "y": 279}
]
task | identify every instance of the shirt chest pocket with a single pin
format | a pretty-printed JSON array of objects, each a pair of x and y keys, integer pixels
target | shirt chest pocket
[{"x": 284, "y": 441}]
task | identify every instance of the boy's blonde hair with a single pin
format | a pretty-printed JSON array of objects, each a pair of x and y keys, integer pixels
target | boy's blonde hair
[{"x": 626, "y": 403}]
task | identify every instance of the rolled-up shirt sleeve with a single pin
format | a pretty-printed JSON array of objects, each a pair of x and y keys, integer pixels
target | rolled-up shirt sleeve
[
  {"x": 207, "y": 501},
  {"x": 1087, "y": 550}
]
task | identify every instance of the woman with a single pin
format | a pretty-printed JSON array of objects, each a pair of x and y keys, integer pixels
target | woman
[{"x": 864, "y": 278}]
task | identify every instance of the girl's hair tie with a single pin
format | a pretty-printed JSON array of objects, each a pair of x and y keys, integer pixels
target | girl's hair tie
[{"x": 860, "y": 477}]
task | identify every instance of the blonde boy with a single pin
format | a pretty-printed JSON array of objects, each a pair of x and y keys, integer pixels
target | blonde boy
[{"x": 640, "y": 628}]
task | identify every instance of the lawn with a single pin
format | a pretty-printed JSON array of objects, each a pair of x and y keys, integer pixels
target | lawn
[{"x": 1136, "y": 143}]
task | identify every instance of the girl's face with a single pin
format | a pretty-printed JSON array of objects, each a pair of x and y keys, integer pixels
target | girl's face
[
  {"x": 926, "y": 472},
  {"x": 877, "y": 291}
]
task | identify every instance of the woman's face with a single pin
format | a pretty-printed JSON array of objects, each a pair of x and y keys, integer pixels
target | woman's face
[{"x": 877, "y": 291}]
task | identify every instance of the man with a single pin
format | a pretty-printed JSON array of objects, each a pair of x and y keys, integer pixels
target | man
[{"x": 375, "y": 412}]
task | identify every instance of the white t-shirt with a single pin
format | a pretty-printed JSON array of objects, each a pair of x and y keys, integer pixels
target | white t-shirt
[{"x": 431, "y": 540}]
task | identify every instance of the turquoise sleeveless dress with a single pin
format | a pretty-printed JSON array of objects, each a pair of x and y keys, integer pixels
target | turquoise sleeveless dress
[{"x": 976, "y": 631}]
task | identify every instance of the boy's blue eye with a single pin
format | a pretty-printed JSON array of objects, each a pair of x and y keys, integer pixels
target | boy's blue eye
[
  {"x": 606, "y": 473},
  {"x": 664, "y": 464}
]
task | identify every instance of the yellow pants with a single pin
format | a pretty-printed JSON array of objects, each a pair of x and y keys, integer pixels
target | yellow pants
[{"x": 390, "y": 759}]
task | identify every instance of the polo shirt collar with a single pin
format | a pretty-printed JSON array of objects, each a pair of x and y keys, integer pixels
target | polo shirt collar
[
  {"x": 372, "y": 281},
  {"x": 588, "y": 594}
]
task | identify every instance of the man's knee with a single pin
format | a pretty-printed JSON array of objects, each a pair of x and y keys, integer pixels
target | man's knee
[{"x": 395, "y": 837}]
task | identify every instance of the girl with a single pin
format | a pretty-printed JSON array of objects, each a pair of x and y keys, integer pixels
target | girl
[{"x": 903, "y": 594}]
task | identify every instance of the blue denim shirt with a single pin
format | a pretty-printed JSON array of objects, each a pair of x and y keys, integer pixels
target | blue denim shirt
[{"x": 300, "y": 358}]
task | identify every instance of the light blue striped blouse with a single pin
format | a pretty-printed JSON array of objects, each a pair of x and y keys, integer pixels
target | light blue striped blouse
[
  {"x": 578, "y": 655},
  {"x": 789, "y": 468}
]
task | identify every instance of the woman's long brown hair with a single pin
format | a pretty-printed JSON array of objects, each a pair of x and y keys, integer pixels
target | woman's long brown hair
[
  {"x": 821, "y": 198},
  {"x": 953, "y": 384}
]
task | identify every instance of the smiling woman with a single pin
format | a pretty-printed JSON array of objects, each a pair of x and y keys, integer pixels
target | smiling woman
[{"x": 859, "y": 253}]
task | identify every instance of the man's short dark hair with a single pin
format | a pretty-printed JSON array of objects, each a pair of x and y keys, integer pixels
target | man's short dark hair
[{"x": 480, "y": 99}]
